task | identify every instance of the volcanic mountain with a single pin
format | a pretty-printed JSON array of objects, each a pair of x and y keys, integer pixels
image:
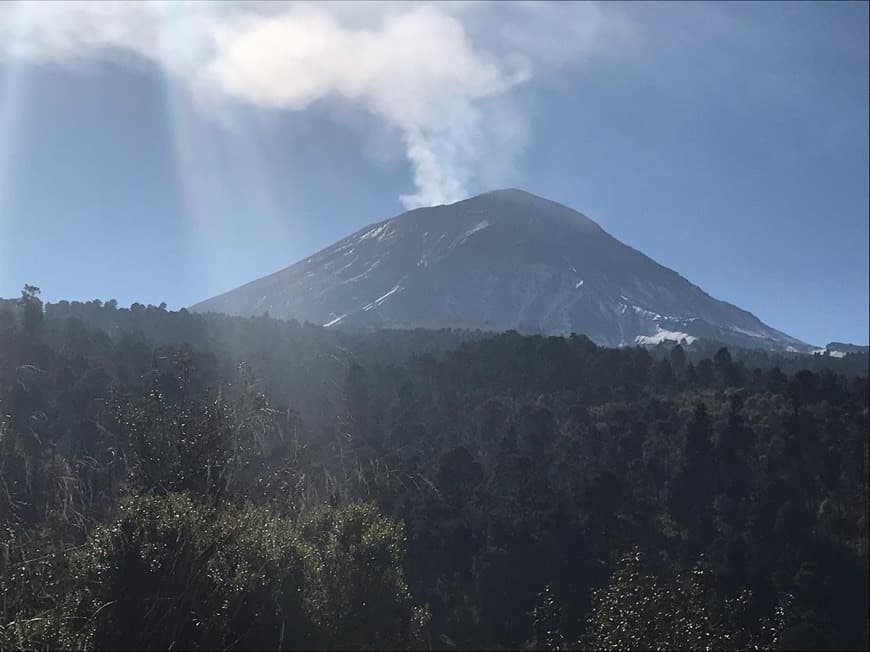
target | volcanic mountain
[{"x": 501, "y": 260}]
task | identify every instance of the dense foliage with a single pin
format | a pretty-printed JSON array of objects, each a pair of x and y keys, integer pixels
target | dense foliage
[{"x": 199, "y": 481}]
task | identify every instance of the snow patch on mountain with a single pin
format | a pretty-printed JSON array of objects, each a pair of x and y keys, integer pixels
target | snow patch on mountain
[
  {"x": 374, "y": 304},
  {"x": 363, "y": 275},
  {"x": 648, "y": 313},
  {"x": 382, "y": 232},
  {"x": 480, "y": 226},
  {"x": 829, "y": 352},
  {"x": 335, "y": 321},
  {"x": 744, "y": 331},
  {"x": 662, "y": 335}
]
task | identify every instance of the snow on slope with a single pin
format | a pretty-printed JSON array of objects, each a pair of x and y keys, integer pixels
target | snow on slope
[{"x": 662, "y": 335}]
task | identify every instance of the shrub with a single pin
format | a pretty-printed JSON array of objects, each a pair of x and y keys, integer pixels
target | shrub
[
  {"x": 169, "y": 573},
  {"x": 355, "y": 588}
]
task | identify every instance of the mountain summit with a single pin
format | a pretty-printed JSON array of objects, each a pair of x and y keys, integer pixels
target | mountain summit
[{"x": 502, "y": 260}]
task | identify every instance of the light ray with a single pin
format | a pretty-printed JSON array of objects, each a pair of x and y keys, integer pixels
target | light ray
[
  {"x": 219, "y": 158},
  {"x": 11, "y": 101}
]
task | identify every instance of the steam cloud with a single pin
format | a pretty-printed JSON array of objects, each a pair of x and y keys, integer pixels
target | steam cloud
[{"x": 439, "y": 75}]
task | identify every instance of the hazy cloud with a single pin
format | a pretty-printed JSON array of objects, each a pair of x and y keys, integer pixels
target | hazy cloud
[{"x": 439, "y": 75}]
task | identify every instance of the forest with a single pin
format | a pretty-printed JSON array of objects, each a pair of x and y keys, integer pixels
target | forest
[{"x": 171, "y": 480}]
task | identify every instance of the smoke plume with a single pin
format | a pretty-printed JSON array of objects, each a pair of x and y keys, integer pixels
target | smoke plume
[{"x": 439, "y": 75}]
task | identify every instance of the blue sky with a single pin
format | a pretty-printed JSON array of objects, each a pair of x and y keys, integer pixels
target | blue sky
[{"x": 160, "y": 152}]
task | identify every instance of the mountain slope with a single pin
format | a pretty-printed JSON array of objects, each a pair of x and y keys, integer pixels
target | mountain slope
[{"x": 502, "y": 260}]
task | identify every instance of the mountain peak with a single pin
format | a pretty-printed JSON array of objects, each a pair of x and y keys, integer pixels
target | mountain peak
[
  {"x": 514, "y": 204},
  {"x": 511, "y": 193},
  {"x": 500, "y": 194},
  {"x": 516, "y": 196},
  {"x": 504, "y": 259}
]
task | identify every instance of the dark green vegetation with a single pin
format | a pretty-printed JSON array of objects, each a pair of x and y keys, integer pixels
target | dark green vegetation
[{"x": 189, "y": 481}]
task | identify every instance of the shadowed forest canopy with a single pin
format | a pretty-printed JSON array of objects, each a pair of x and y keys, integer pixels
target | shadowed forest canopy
[{"x": 187, "y": 481}]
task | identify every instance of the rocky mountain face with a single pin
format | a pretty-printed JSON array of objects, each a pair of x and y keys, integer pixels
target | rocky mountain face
[{"x": 502, "y": 260}]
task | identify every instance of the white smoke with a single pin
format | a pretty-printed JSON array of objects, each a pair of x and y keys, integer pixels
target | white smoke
[{"x": 440, "y": 75}]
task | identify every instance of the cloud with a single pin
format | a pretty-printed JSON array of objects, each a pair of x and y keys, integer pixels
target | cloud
[{"x": 438, "y": 75}]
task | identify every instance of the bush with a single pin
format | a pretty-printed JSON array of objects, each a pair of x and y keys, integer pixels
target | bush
[
  {"x": 169, "y": 573},
  {"x": 355, "y": 588},
  {"x": 639, "y": 609}
]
